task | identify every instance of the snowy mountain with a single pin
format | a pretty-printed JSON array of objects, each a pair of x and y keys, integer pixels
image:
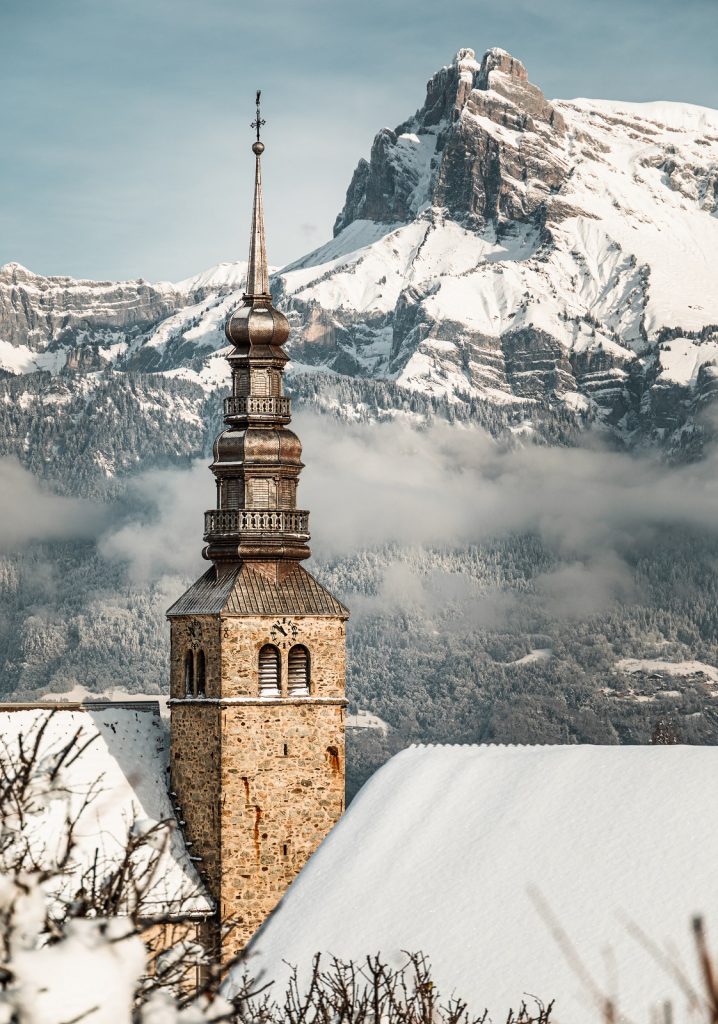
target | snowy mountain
[
  {"x": 56, "y": 323},
  {"x": 502, "y": 246},
  {"x": 496, "y": 247}
]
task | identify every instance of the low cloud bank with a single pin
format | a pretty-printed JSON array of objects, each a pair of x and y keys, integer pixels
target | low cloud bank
[
  {"x": 30, "y": 511},
  {"x": 368, "y": 485},
  {"x": 389, "y": 483}
]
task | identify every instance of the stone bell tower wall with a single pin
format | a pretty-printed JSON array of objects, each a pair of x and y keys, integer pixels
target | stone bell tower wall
[
  {"x": 242, "y": 638},
  {"x": 258, "y": 644},
  {"x": 259, "y": 780},
  {"x": 282, "y": 792},
  {"x": 195, "y": 753}
]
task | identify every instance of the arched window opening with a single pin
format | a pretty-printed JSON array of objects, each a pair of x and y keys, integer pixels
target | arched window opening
[
  {"x": 298, "y": 677},
  {"x": 189, "y": 674},
  {"x": 269, "y": 671},
  {"x": 201, "y": 674}
]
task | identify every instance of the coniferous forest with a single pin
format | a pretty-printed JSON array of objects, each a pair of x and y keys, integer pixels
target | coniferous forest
[{"x": 501, "y": 638}]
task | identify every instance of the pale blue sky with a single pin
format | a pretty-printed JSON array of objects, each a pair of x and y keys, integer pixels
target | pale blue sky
[{"x": 124, "y": 123}]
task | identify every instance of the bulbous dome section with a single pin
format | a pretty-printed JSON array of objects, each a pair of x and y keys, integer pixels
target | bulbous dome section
[
  {"x": 257, "y": 445},
  {"x": 272, "y": 444},
  {"x": 228, "y": 447},
  {"x": 258, "y": 329}
]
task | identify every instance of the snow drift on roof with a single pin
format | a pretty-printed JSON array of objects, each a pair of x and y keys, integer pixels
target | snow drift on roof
[
  {"x": 474, "y": 855},
  {"x": 127, "y": 761}
]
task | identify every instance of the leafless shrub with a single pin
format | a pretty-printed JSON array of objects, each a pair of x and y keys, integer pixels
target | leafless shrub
[{"x": 365, "y": 993}]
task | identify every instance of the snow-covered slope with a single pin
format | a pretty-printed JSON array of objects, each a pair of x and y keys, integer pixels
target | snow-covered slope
[
  {"x": 496, "y": 245},
  {"x": 56, "y": 323},
  {"x": 568, "y": 873},
  {"x": 121, "y": 777}
]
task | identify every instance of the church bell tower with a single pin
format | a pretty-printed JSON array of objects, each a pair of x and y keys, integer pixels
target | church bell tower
[{"x": 257, "y": 676}]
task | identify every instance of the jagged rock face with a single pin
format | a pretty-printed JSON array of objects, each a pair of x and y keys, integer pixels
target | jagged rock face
[
  {"x": 443, "y": 156},
  {"x": 55, "y": 323},
  {"x": 503, "y": 246},
  {"x": 37, "y": 311},
  {"x": 497, "y": 245}
]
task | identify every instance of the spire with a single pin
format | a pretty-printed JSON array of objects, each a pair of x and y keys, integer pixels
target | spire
[
  {"x": 257, "y": 273},
  {"x": 257, "y": 459},
  {"x": 256, "y": 328}
]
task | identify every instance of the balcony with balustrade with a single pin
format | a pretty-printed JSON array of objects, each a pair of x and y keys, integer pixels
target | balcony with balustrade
[
  {"x": 277, "y": 407},
  {"x": 227, "y": 522}
]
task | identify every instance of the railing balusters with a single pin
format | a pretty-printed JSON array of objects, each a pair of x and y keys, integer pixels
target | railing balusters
[
  {"x": 229, "y": 521},
  {"x": 257, "y": 405}
]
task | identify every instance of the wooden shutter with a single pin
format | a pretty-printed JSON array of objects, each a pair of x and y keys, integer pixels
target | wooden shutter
[
  {"x": 298, "y": 677},
  {"x": 268, "y": 671}
]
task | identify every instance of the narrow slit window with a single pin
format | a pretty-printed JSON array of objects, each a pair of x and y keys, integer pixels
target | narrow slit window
[
  {"x": 298, "y": 677},
  {"x": 201, "y": 675},
  {"x": 269, "y": 671},
  {"x": 234, "y": 490},
  {"x": 260, "y": 493},
  {"x": 189, "y": 674}
]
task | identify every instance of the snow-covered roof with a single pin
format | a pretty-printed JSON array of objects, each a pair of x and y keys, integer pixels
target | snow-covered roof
[
  {"x": 556, "y": 871},
  {"x": 125, "y": 764}
]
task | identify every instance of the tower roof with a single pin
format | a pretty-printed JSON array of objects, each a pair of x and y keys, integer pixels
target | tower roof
[
  {"x": 257, "y": 271},
  {"x": 257, "y": 459},
  {"x": 246, "y": 592}
]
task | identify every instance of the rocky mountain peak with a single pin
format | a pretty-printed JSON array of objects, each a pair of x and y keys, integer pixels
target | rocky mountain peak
[
  {"x": 501, "y": 61},
  {"x": 14, "y": 273},
  {"x": 504, "y": 75},
  {"x": 485, "y": 147}
]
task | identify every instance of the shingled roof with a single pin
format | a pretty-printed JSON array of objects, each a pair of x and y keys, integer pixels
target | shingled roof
[{"x": 247, "y": 592}]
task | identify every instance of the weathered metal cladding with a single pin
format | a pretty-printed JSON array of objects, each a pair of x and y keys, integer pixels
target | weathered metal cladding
[
  {"x": 258, "y": 330},
  {"x": 260, "y": 443},
  {"x": 257, "y": 460},
  {"x": 246, "y": 592}
]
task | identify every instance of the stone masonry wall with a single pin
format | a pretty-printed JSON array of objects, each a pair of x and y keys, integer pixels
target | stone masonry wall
[
  {"x": 195, "y": 633},
  {"x": 242, "y": 638},
  {"x": 195, "y": 753},
  {"x": 282, "y": 792},
  {"x": 260, "y": 781}
]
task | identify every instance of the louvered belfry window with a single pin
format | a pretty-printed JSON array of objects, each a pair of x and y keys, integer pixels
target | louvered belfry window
[
  {"x": 189, "y": 674},
  {"x": 201, "y": 675},
  {"x": 260, "y": 383},
  {"x": 234, "y": 492},
  {"x": 260, "y": 493},
  {"x": 269, "y": 671},
  {"x": 298, "y": 677}
]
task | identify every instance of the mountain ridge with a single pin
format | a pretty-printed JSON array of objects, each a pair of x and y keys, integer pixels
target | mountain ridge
[{"x": 496, "y": 246}]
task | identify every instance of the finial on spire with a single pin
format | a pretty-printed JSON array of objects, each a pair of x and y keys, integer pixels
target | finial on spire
[
  {"x": 257, "y": 271},
  {"x": 258, "y": 146}
]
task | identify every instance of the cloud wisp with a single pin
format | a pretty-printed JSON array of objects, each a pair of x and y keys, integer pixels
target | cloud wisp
[
  {"x": 31, "y": 512},
  {"x": 444, "y": 486}
]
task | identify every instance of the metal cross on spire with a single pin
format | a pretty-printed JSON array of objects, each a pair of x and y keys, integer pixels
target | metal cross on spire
[
  {"x": 259, "y": 121},
  {"x": 257, "y": 270}
]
